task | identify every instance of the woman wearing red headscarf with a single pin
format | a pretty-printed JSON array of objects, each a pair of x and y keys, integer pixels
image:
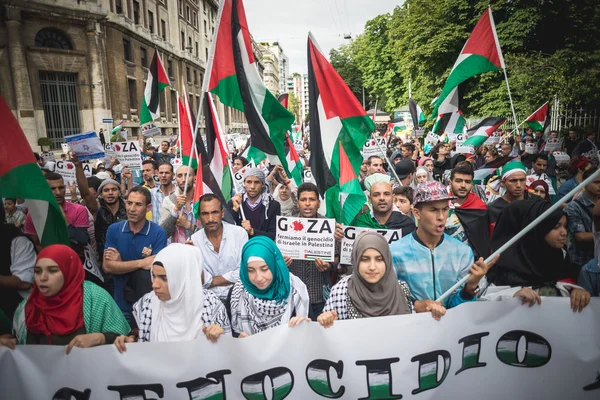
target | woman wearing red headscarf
[{"x": 63, "y": 309}]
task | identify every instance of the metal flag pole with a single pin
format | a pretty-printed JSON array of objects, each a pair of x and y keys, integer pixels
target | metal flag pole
[{"x": 523, "y": 232}]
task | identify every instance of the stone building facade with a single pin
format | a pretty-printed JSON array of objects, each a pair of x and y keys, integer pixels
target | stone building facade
[{"x": 66, "y": 65}]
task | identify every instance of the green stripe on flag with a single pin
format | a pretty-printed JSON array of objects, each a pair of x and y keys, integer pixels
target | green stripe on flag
[
  {"x": 228, "y": 91},
  {"x": 535, "y": 125}
]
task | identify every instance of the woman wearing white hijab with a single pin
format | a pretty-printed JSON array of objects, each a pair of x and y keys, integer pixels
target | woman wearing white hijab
[
  {"x": 287, "y": 199},
  {"x": 178, "y": 308}
]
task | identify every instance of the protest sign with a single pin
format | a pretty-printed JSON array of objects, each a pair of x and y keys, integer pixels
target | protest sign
[
  {"x": 419, "y": 132},
  {"x": 479, "y": 350},
  {"x": 238, "y": 177},
  {"x": 351, "y": 232},
  {"x": 432, "y": 138},
  {"x": 150, "y": 129},
  {"x": 109, "y": 152},
  {"x": 128, "y": 154},
  {"x": 561, "y": 157},
  {"x": 298, "y": 144},
  {"x": 86, "y": 146},
  {"x": 48, "y": 156},
  {"x": 532, "y": 178},
  {"x": 374, "y": 147},
  {"x": 65, "y": 148},
  {"x": 176, "y": 163},
  {"x": 308, "y": 176},
  {"x": 66, "y": 169},
  {"x": 553, "y": 144},
  {"x": 461, "y": 138},
  {"x": 306, "y": 238},
  {"x": 494, "y": 138},
  {"x": 531, "y": 148}
]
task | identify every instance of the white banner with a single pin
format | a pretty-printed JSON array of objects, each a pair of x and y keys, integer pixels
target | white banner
[
  {"x": 351, "y": 232},
  {"x": 66, "y": 169},
  {"x": 86, "y": 146},
  {"x": 374, "y": 147},
  {"x": 128, "y": 154},
  {"x": 483, "y": 350},
  {"x": 306, "y": 238}
]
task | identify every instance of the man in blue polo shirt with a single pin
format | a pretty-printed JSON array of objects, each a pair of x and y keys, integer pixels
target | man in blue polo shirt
[{"x": 130, "y": 250}]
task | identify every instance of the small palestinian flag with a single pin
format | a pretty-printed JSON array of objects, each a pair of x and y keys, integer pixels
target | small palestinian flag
[
  {"x": 21, "y": 177},
  {"x": 156, "y": 82},
  {"x": 186, "y": 131},
  {"x": 339, "y": 127},
  {"x": 294, "y": 162},
  {"x": 416, "y": 113},
  {"x": 480, "y": 54},
  {"x": 450, "y": 118},
  {"x": 483, "y": 130},
  {"x": 538, "y": 120}
]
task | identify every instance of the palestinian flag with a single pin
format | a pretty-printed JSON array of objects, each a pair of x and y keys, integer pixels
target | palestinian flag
[
  {"x": 21, "y": 177},
  {"x": 483, "y": 130},
  {"x": 480, "y": 54},
  {"x": 156, "y": 82},
  {"x": 186, "y": 130},
  {"x": 538, "y": 120},
  {"x": 397, "y": 125},
  {"x": 214, "y": 175},
  {"x": 234, "y": 77},
  {"x": 450, "y": 118},
  {"x": 473, "y": 216},
  {"x": 339, "y": 127},
  {"x": 284, "y": 99},
  {"x": 294, "y": 162},
  {"x": 416, "y": 113}
]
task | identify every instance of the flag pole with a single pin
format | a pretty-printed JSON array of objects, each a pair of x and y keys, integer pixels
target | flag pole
[
  {"x": 205, "y": 83},
  {"x": 525, "y": 120},
  {"x": 525, "y": 230},
  {"x": 382, "y": 151}
]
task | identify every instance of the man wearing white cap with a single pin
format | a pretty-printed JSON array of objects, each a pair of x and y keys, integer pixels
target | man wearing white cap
[
  {"x": 514, "y": 177},
  {"x": 259, "y": 208}
]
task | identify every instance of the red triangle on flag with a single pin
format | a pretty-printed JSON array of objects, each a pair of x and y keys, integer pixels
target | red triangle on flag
[
  {"x": 483, "y": 40},
  {"x": 346, "y": 171}
]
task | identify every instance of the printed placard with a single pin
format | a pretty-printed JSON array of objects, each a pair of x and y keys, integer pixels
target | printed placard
[
  {"x": 238, "y": 177},
  {"x": 86, "y": 146},
  {"x": 150, "y": 129},
  {"x": 308, "y": 176},
  {"x": 66, "y": 169},
  {"x": 561, "y": 157},
  {"x": 374, "y": 147},
  {"x": 176, "y": 163},
  {"x": 48, "y": 156},
  {"x": 65, "y": 148},
  {"x": 298, "y": 144},
  {"x": 432, "y": 138},
  {"x": 462, "y": 149},
  {"x": 531, "y": 148},
  {"x": 419, "y": 132},
  {"x": 494, "y": 138},
  {"x": 553, "y": 144},
  {"x": 351, "y": 232},
  {"x": 128, "y": 154},
  {"x": 306, "y": 238}
]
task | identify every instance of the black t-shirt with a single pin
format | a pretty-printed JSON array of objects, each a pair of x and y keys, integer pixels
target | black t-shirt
[{"x": 160, "y": 157}]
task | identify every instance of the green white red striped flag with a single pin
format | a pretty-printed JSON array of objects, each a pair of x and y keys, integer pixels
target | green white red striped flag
[
  {"x": 21, "y": 177},
  {"x": 234, "y": 77},
  {"x": 156, "y": 82},
  {"x": 186, "y": 130},
  {"x": 339, "y": 127},
  {"x": 480, "y": 54},
  {"x": 483, "y": 130},
  {"x": 538, "y": 120}
]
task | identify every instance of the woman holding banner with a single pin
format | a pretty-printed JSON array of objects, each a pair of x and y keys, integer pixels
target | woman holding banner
[
  {"x": 178, "y": 308},
  {"x": 63, "y": 309},
  {"x": 373, "y": 289},
  {"x": 267, "y": 294},
  {"x": 536, "y": 265}
]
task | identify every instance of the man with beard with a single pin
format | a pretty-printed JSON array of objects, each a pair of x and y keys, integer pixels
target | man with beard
[
  {"x": 112, "y": 209},
  {"x": 160, "y": 156},
  {"x": 384, "y": 215},
  {"x": 131, "y": 246},
  {"x": 513, "y": 180},
  {"x": 149, "y": 169},
  {"x": 468, "y": 217},
  {"x": 177, "y": 213},
  {"x": 165, "y": 189},
  {"x": 221, "y": 246}
]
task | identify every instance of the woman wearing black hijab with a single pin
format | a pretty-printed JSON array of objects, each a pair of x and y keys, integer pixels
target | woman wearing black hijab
[{"x": 535, "y": 265}]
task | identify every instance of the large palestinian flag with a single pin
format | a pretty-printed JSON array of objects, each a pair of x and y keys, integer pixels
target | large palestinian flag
[
  {"x": 483, "y": 130},
  {"x": 156, "y": 82},
  {"x": 21, "y": 177},
  {"x": 480, "y": 54},
  {"x": 234, "y": 77},
  {"x": 339, "y": 127},
  {"x": 538, "y": 120},
  {"x": 450, "y": 118}
]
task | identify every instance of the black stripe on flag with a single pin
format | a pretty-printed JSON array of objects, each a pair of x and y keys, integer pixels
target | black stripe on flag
[
  {"x": 260, "y": 137},
  {"x": 154, "y": 99},
  {"x": 320, "y": 170}
]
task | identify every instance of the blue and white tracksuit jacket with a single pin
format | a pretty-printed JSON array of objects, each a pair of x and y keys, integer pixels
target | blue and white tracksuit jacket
[{"x": 429, "y": 273}]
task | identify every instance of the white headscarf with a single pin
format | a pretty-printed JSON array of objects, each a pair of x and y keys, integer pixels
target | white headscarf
[{"x": 180, "y": 318}]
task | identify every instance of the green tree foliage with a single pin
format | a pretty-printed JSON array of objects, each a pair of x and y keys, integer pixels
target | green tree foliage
[
  {"x": 551, "y": 48},
  {"x": 294, "y": 106}
]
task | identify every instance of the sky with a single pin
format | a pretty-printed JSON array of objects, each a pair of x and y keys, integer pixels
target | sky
[{"x": 289, "y": 21}]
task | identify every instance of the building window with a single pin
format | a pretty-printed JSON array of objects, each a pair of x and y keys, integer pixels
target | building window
[
  {"x": 131, "y": 87},
  {"x": 206, "y": 52},
  {"x": 197, "y": 51},
  {"x": 151, "y": 21},
  {"x": 191, "y": 102},
  {"x": 189, "y": 47},
  {"x": 144, "y": 57},
  {"x": 127, "y": 49},
  {"x": 182, "y": 40},
  {"x": 119, "y": 6},
  {"x": 163, "y": 29},
  {"x": 195, "y": 19},
  {"x": 204, "y": 8},
  {"x": 52, "y": 38},
  {"x": 195, "y": 78},
  {"x": 173, "y": 102},
  {"x": 187, "y": 13},
  {"x": 170, "y": 68},
  {"x": 188, "y": 74},
  {"x": 181, "y": 7},
  {"x": 136, "y": 12},
  {"x": 205, "y": 28}
]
